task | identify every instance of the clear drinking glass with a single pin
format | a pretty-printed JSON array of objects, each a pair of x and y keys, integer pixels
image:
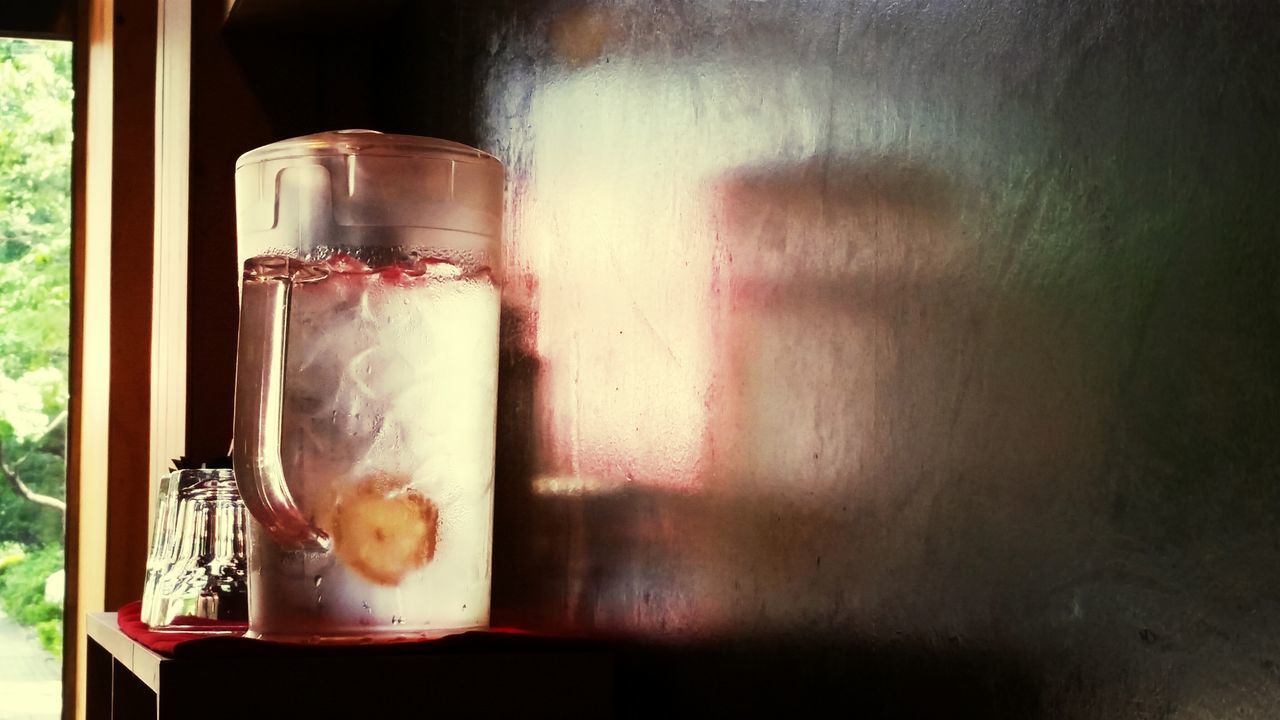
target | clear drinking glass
[
  {"x": 163, "y": 549},
  {"x": 201, "y": 567}
]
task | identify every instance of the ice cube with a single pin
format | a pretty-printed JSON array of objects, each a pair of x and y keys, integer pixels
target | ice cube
[{"x": 380, "y": 371}]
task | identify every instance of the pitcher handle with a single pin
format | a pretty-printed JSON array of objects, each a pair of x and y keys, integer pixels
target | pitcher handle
[{"x": 260, "y": 359}]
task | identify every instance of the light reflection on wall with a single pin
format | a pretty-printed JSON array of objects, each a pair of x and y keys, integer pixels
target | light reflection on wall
[
  {"x": 629, "y": 333},
  {"x": 704, "y": 257}
]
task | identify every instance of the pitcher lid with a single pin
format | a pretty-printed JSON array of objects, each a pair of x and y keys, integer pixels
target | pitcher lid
[{"x": 363, "y": 142}]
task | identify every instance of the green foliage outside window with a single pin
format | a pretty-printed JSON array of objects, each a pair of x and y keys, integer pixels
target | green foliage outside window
[
  {"x": 22, "y": 585},
  {"x": 35, "y": 302}
]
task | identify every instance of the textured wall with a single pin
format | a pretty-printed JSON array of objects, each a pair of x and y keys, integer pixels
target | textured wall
[
  {"x": 940, "y": 337},
  {"x": 919, "y": 355}
]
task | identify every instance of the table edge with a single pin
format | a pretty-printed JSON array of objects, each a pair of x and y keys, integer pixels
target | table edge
[{"x": 104, "y": 629}]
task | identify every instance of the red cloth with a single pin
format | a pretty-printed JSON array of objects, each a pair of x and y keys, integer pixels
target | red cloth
[
  {"x": 227, "y": 639},
  {"x": 165, "y": 642}
]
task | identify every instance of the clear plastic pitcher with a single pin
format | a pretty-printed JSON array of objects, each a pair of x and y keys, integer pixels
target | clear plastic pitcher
[{"x": 366, "y": 377}]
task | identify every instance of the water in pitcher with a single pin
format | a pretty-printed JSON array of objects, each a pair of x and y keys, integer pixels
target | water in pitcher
[{"x": 387, "y": 444}]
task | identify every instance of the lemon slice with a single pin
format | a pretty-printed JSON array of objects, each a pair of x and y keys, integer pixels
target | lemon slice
[{"x": 382, "y": 530}]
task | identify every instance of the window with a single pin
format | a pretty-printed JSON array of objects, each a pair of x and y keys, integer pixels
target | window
[{"x": 35, "y": 299}]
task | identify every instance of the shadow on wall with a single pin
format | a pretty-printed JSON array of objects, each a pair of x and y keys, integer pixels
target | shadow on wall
[{"x": 896, "y": 335}]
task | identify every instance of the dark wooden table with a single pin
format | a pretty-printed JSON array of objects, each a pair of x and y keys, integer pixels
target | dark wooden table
[{"x": 126, "y": 681}]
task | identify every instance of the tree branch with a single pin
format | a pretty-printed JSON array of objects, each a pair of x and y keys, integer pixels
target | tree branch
[{"x": 11, "y": 475}]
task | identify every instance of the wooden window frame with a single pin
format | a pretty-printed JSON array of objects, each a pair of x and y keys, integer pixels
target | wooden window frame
[{"x": 128, "y": 319}]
